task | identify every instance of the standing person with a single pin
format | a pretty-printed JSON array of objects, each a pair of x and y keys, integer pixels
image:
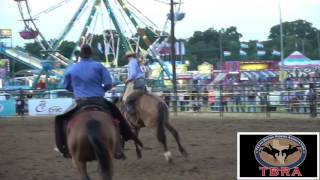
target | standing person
[
  {"x": 136, "y": 79},
  {"x": 289, "y": 83},
  {"x": 252, "y": 100},
  {"x": 237, "y": 99},
  {"x": 89, "y": 80},
  {"x": 211, "y": 98},
  {"x": 20, "y": 103},
  {"x": 312, "y": 99},
  {"x": 300, "y": 95}
]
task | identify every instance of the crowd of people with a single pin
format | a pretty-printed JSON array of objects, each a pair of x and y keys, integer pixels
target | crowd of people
[{"x": 292, "y": 97}]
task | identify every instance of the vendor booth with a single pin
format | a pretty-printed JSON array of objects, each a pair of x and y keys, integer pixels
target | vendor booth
[
  {"x": 298, "y": 66},
  {"x": 235, "y": 71}
]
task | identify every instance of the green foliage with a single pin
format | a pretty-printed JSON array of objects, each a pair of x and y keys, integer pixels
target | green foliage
[
  {"x": 33, "y": 48},
  {"x": 205, "y": 46},
  {"x": 66, "y": 48},
  {"x": 298, "y": 35}
]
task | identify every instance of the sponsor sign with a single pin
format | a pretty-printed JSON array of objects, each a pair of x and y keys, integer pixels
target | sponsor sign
[
  {"x": 7, "y": 108},
  {"x": 5, "y": 33},
  {"x": 278, "y": 155},
  {"x": 48, "y": 106}
]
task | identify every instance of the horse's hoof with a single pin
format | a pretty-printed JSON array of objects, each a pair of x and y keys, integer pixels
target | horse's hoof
[
  {"x": 139, "y": 155},
  {"x": 168, "y": 157},
  {"x": 184, "y": 153},
  {"x": 120, "y": 156}
]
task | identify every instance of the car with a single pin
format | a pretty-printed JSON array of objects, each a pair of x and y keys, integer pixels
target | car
[{"x": 4, "y": 96}]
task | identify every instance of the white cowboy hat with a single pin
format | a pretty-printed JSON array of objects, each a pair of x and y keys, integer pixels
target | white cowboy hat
[{"x": 130, "y": 54}]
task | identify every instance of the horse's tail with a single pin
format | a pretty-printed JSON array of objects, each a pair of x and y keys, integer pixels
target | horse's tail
[
  {"x": 100, "y": 150},
  {"x": 163, "y": 116}
]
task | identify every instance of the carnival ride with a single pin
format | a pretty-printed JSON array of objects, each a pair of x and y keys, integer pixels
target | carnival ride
[{"x": 127, "y": 26}]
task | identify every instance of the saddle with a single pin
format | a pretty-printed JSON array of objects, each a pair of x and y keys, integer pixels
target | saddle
[
  {"x": 131, "y": 111},
  {"x": 93, "y": 105}
]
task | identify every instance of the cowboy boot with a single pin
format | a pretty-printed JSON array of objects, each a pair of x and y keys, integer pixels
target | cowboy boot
[{"x": 119, "y": 154}]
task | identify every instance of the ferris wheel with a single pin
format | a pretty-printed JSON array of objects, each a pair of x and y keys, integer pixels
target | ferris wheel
[{"x": 122, "y": 25}]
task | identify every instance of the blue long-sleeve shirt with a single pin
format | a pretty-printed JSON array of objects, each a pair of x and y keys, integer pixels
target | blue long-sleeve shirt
[
  {"x": 134, "y": 70},
  {"x": 87, "y": 78}
]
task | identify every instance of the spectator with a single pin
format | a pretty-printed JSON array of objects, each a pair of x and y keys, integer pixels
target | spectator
[
  {"x": 20, "y": 103},
  {"x": 300, "y": 94},
  {"x": 289, "y": 84},
  {"x": 211, "y": 99},
  {"x": 252, "y": 100},
  {"x": 312, "y": 99}
]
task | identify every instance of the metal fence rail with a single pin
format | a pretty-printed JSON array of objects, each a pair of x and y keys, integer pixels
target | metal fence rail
[
  {"x": 248, "y": 98},
  {"x": 267, "y": 98}
]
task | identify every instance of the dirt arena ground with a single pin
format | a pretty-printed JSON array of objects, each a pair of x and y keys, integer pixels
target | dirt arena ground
[{"x": 26, "y": 149}]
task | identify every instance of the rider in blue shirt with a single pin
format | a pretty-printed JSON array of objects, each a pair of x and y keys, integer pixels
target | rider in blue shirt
[
  {"x": 134, "y": 70},
  {"x": 89, "y": 80},
  {"x": 135, "y": 81}
]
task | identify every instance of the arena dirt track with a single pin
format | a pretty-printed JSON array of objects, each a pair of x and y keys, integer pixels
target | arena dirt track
[{"x": 26, "y": 149}]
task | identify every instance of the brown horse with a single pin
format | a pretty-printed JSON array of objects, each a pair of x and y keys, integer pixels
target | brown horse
[
  {"x": 92, "y": 136},
  {"x": 151, "y": 112}
]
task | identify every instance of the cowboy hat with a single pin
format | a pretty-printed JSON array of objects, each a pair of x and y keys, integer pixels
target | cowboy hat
[{"x": 130, "y": 54}]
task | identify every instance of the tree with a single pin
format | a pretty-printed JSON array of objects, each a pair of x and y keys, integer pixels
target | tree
[
  {"x": 205, "y": 46},
  {"x": 66, "y": 48},
  {"x": 33, "y": 48},
  {"x": 297, "y": 35}
]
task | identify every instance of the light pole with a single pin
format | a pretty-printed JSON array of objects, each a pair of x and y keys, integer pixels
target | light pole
[
  {"x": 318, "y": 40},
  {"x": 173, "y": 56},
  {"x": 281, "y": 48},
  {"x": 221, "y": 51}
]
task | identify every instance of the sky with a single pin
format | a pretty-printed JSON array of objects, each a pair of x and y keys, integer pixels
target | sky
[{"x": 253, "y": 18}]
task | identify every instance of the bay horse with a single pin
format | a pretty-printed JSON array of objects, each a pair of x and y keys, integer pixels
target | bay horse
[
  {"x": 91, "y": 135},
  {"x": 152, "y": 112}
]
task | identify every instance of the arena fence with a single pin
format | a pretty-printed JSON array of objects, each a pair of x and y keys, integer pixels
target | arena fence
[
  {"x": 266, "y": 98},
  {"x": 246, "y": 98}
]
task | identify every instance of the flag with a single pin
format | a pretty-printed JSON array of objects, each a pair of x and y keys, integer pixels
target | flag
[
  {"x": 99, "y": 46},
  {"x": 259, "y": 45},
  {"x": 276, "y": 53},
  {"x": 242, "y": 53},
  {"x": 51, "y": 42},
  {"x": 180, "y": 48},
  {"x": 244, "y": 46},
  {"x": 261, "y": 53},
  {"x": 226, "y": 53}
]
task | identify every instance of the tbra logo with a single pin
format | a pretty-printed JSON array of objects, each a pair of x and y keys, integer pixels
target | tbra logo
[
  {"x": 280, "y": 151},
  {"x": 1, "y": 108},
  {"x": 280, "y": 155}
]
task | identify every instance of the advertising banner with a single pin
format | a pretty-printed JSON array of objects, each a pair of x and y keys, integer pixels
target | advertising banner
[
  {"x": 7, "y": 108},
  {"x": 57, "y": 106},
  {"x": 5, "y": 33}
]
